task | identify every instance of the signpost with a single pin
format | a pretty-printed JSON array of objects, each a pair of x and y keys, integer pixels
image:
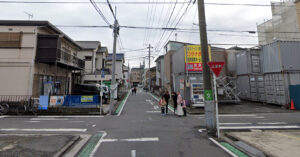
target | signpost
[{"x": 216, "y": 68}]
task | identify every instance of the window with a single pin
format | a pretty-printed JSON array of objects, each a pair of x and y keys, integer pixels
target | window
[
  {"x": 10, "y": 39},
  {"x": 88, "y": 58}
]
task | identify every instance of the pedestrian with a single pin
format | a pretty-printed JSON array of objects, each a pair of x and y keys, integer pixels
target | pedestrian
[
  {"x": 179, "y": 104},
  {"x": 134, "y": 90},
  {"x": 174, "y": 96},
  {"x": 162, "y": 104},
  {"x": 167, "y": 97},
  {"x": 184, "y": 108}
]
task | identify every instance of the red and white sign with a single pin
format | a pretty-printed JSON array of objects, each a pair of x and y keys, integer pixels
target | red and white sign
[{"x": 216, "y": 67}]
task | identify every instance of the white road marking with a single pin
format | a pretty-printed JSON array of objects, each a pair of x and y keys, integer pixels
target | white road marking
[
  {"x": 133, "y": 153},
  {"x": 98, "y": 144},
  {"x": 76, "y": 121},
  {"x": 259, "y": 127},
  {"x": 237, "y": 115},
  {"x": 222, "y": 147},
  {"x": 143, "y": 139},
  {"x": 201, "y": 130},
  {"x": 25, "y": 116},
  {"x": 259, "y": 117},
  {"x": 271, "y": 123},
  {"x": 32, "y": 121},
  {"x": 124, "y": 103},
  {"x": 110, "y": 140},
  {"x": 93, "y": 126},
  {"x": 152, "y": 111},
  {"x": 40, "y": 119},
  {"x": 235, "y": 123},
  {"x": 156, "y": 107},
  {"x": 46, "y": 130}
]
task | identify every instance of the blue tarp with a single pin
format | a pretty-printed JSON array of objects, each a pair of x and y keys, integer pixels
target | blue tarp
[{"x": 44, "y": 102}]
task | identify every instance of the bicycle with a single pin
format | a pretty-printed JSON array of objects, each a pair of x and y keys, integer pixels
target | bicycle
[
  {"x": 4, "y": 107},
  {"x": 32, "y": 106}
]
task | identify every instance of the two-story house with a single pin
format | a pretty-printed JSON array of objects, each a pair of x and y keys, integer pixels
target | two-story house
[{"x": 36, "y": 59}]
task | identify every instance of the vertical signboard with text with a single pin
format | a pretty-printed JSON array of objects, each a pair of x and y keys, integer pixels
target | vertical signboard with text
[{"x": 193, "y": 57}]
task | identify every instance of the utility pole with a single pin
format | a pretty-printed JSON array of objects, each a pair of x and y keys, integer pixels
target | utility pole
[
  {"x": 149, "y": 68},
  {"x": 210, "y": 108},
  {"x": 113, "y": 78}
]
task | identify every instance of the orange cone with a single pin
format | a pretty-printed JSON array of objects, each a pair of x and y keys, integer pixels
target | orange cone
[{"x": 292, "y": 105}]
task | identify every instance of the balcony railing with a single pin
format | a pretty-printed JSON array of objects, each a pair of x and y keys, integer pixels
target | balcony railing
[{"x": 52, "y": 55}]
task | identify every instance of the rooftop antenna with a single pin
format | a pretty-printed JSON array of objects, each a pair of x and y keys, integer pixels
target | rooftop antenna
[{"x": 30, "y": 16}]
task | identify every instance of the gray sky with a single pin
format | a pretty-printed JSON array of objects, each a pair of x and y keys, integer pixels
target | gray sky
[{"x": 219, "y": 17}]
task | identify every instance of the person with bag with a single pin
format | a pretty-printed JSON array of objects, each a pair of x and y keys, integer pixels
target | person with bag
[
  {"x": 162, "y": 104},
  {"x": 180, "y": 104}
]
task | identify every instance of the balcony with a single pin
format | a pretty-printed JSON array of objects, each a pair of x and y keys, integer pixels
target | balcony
[{"x": 48, "y": 51}]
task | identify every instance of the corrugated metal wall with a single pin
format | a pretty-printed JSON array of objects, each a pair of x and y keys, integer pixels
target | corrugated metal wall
[{"x": 248, "y": 62}]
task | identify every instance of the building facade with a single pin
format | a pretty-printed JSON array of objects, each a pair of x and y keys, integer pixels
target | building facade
[{"x": 36, "y": 59}]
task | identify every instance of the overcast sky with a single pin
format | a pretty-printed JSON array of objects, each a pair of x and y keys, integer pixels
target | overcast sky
[{"x": 219, "y": 17}]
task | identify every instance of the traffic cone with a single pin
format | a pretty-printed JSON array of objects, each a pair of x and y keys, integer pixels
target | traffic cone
[{"x": 292, "y": 105}]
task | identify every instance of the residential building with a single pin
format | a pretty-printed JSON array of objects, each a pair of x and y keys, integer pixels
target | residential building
[
  {"x": 119, "y": 66},
  {"x": 284, "y": 25},
  {"x": 36, "y": 59},
  {"x": 160, "y": 75},
  {"x": 94, "y": 56},
  {"x": 126, "y": 73},
  {"x": 136, "y": 76},
  {"x": 146, "y": 79}
]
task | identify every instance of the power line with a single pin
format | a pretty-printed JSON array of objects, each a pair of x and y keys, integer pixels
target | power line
[
  {"x": 143, "y": 3},
  {"x": 99, "y": 12}
]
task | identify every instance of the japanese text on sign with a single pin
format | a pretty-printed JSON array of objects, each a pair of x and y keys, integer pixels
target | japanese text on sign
[{"x": 193, "y": 57}]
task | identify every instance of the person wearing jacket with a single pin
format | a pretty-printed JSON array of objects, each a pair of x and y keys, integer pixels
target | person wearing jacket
[{"x": 167, "y": 97}]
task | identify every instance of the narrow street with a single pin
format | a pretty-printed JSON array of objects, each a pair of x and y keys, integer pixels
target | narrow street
[{"x": 141, "y": 130}]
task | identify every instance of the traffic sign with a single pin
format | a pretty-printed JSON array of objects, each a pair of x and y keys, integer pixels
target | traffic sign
[
  {"x": 216, "y": 67},
  {"x": 102, "y": 74}
]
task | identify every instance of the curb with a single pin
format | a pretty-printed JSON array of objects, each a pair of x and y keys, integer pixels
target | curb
[{"x": 69, "y": 145}]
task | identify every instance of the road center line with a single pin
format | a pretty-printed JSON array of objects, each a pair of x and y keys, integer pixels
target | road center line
[{"x": 32, "y": 121}]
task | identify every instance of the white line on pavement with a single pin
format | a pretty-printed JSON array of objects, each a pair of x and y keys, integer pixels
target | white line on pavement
[
  {"x": 93, "y": 126},
  {"x": 259, "y": 117},
  {"x": 78, "y": 121},
  {"x": 259, "y": 127},
  {"x": 98, "y": 144},
  {"x": 201, "y": 130},
  {"x": 235, "y": 123},
  {"x": 144, "y": 139},
  {"x": 124, "y": 104},
  {"x": 156, "y": 107},
  {"x": 32, "y": 121},
  {"x": 25, "y": 116},
  {"x": 40, "y": 119},
  {"x": 222, "y": 147},
  {"x": 133, "y": 153},
  {"x": 153, "y": 111},
  {"x": 271, "y": 123},
  {"x": 46, "y": 130}
]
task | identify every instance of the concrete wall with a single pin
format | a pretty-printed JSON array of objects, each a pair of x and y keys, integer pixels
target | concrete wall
[{"x": 88, "y": 64}]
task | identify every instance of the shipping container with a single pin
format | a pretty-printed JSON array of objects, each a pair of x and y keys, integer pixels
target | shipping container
[
  {"x": 243, "y": 85},
  {"x": 280, "y": 56},
  {"x": 277, "y": 86},
  {"x": 257, "y": 88},
  {"x": 248, "y": 62}
]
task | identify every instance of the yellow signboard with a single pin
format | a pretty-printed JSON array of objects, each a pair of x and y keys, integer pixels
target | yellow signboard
[{"x": 193, "y": 57}]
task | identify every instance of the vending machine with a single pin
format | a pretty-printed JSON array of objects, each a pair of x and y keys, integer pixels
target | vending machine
[{"x": 197, "y": 95}]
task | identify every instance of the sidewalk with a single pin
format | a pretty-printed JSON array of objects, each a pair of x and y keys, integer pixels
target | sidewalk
[
  {"x": 276, "y": 143},
  {"x": 35, "y": 145}
]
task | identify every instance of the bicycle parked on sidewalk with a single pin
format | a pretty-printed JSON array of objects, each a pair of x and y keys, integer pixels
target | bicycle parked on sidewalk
[{"x": 4, "y": 107}]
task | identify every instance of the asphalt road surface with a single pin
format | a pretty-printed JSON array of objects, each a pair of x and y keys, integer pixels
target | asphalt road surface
[{"x": 141, "y": 130}]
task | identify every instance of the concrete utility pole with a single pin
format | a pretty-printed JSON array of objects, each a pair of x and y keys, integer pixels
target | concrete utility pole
[
  {"x": 149, "y": 68},
  {"x": 113, "y": 78},
  {"x": 210, "y": 108}
]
